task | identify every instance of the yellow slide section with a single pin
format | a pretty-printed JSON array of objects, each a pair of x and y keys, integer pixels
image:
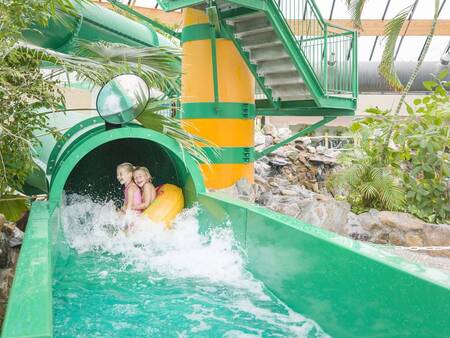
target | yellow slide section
[{"x": 167, "y": 204}]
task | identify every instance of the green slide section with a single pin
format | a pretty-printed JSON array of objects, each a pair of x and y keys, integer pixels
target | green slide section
[
  {"x": 350, "y": 289},
  {"x": 91, "y": 22},
  {"x": 29, "y": 312}
]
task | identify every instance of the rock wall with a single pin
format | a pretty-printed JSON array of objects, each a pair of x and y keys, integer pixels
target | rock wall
[
  {"x": 299, "y": 162},
  {"x": 292, "y": 181},
  {"x": 10, "y": 241}
]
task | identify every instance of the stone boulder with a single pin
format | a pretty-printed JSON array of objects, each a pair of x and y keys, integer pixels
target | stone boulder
[
  {"x": 284, "y": 133},
  {"x": 270, "y": 129},
  {"x": 369, "y": 220},
  {"x": 400, "y": 220},
  {"x": 325, "y": 213},
  {"x": 438, "y": 235},
  {"x": 245, "y": 190}
]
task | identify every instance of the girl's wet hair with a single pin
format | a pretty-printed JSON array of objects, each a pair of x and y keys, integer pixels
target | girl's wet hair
[
  {"x": 145, "y": 170},
  {"x": 126, "y": 165}
]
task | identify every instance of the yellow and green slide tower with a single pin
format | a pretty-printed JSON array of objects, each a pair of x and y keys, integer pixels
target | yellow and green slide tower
[{"x": 217, "y": 100}]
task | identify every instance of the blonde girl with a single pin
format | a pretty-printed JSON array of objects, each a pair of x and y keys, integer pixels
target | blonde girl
[
  {"x": 132, "y": 193},
  {"x": 143, "y": 180}
]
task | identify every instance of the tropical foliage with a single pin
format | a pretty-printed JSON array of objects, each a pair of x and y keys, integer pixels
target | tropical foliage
[
  {"x": 411, "y": 173},
  {"x": 391, "y": 34},
  {"x": 26, "y": 89}
]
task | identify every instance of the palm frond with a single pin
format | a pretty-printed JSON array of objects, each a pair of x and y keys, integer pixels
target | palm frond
[
  {"x": 160, "y": 67},
  {"x": 61, "y": 10},
  {"x": 152, "y": 119},
  {"x": 356, "y": 7},
  {"x": 157, "y": 67},
  {"x": 391, "y": 33}
]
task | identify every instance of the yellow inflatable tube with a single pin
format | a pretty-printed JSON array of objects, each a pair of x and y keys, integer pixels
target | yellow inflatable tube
[{"x": 167, "y": 205}]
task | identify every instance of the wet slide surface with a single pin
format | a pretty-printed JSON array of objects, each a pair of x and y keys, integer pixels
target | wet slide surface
[{"x": 153, "y": 282}]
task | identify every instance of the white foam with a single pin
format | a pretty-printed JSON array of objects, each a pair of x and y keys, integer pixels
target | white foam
[
  {"x": 178, "y": 253},
  {"x": 182, "y": 252}
]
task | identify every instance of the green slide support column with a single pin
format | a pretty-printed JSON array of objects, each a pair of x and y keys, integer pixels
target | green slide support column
[{"x": 217, "y": 100}]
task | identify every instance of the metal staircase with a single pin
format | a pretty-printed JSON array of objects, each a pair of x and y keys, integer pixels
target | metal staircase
[{"x": 302, "y": 64}]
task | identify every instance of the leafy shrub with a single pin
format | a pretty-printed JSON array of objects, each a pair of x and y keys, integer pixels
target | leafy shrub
[{"x": 401, "y": 162}]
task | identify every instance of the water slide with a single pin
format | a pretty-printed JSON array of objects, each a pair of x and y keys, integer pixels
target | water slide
[{"x": 229, "y": 268}]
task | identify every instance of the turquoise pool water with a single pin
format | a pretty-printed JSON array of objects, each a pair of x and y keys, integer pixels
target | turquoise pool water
[{"x": 157, "y": 283}]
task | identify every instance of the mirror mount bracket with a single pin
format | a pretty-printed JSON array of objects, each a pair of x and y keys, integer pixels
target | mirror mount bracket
[{"x": 109, "y": 126}]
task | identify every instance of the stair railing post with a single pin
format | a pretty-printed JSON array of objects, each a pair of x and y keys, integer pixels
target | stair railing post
[
  {"x": 325, "y": 59},
  {"x": 214, "y": 26},
  {"x": 355, "y": 84}
]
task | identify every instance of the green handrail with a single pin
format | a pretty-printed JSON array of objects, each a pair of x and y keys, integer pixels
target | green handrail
[
  {"x": 138, "y": 15},
  {"x": 329, "y": 49}
]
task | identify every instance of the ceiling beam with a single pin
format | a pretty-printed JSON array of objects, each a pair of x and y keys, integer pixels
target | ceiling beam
[
  {"x": 369, "y": 27},
  {"x": 376, "y": 27}
]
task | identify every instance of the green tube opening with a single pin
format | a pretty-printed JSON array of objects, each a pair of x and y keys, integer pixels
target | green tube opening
[
  {"x": 88, "y": 164},
  {"x": 95, "y": 174}
]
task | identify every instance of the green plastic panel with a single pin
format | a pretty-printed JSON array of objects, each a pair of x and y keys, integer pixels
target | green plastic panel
[
  {"x": 220, "y": 110},
  {"x": 349, "y": 288},
  {"x": 29, "y": 312},
  {"x": 230, "y": 154},
  {"x": 198, "y": 32}
]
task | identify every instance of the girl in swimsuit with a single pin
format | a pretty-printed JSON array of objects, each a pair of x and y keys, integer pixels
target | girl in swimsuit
[
  {"x": 143, "y": 180},
  {"x": 132, "y": 193}
]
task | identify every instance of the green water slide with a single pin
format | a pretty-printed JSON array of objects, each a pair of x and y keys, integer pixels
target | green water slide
[{"x": 349, "y": 288}]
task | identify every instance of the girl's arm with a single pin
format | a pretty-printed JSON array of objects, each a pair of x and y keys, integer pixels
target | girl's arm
[
  {"x": 148, "y": 195},
  {"x": 129, "y": 205}
]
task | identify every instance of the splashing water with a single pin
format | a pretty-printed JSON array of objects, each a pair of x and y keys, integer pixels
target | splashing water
[{"x": 151, "y": 282}]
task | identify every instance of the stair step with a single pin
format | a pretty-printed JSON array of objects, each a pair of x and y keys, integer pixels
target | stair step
[
  {"x": 222, "y": 6},
  {"x": 279, "y": 65},
  {"x": 226, "y": 6},
  {"x": 298, "y": 97},
  {"x": 289, "y": 90},
  {"x": 255, "y": 31},
  {"x": 286, "y": 78},
  {"x": 263, "y": 45},
  {"x": 270, "y": 52},
  {"x": 260, "y": 39},
  {"x": 242, "y": 18},
  {"x": 257, "y": 23}
]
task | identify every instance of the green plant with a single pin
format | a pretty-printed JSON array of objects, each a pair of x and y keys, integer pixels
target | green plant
[
  {"x": 28, "y": 95},
  {"x": 364, "y": 179},
  {"x": 411, "y": 173},
  {"x": 425, "y": 143}
]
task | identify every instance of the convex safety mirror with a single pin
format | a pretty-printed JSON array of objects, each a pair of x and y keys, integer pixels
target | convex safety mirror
[{"x": 122, "y": 99}]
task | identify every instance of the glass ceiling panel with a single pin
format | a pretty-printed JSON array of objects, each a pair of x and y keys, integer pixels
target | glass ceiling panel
[
  {"x": 325, "y": 7},
  {"x": 411, "y": 48},
  {"x": 437, "y": 47},
  {"x": 424, "y": 10},
  {"x": 445, "y": 13},
  {"x": 396, "y": 6},
  {"x": 340, "y": 10},
  {"x": 374, "y": 9},
  {"x": 365, "y": 44}
]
